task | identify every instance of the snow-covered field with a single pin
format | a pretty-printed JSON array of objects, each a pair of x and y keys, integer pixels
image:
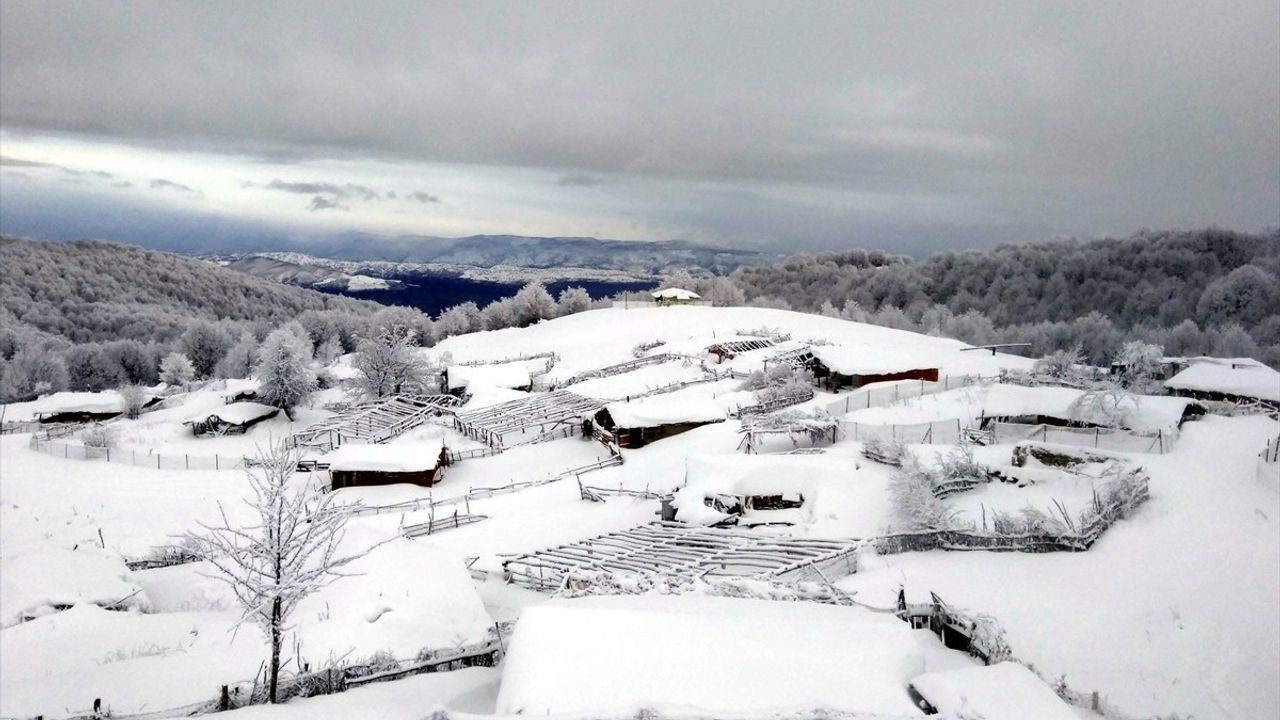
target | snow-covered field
[{"x": 1175, "y": 610}]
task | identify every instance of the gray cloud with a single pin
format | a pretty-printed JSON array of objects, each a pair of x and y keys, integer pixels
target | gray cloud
[
  {"x": 163, "y": 184},
  {"x": 345, "y": 191},
  {"x": 422, "y": 197},
  {"x": 6, "y": 161},
  {"x": 579, "y": 180},
  {"x": 320, "y": 202},
  {"x": 1072, "y": 117}
]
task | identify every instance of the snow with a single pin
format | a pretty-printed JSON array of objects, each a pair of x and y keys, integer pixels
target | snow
[
  {"x": 1143, "y": 413},
  {"x": 107, "y": 401},
  {"x": 663, "y": 410},
  {"x": 402, "y": 597},
  {"x": 714, "y": 655},
  {"x": 839, "y": 499},
  {"x": 1231, "y": 376},
  {"x": 356, "y": 283},
  {"x": 38, "y": 582},
  {"x": 393, "y": 457},
  {"x": 506, "y": 375},
  {"x": 237, "y": 413},
  {"x": 1172, "y": 611},
  {"x": 1004, "y": 691},
  {"x": 675, "y": 294},
  {"x": 850, "y": 361}
]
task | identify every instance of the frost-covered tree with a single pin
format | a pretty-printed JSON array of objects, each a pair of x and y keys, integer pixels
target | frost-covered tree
[
  {"x": 459, "y": 320},
  {"x": 32, "y": 372},
  {"x": 135, "y": 398},
  {"x": 329, "y": 350},
  {"x": 1110, "y": 405},
  {"x": 1246, "y": 295},
  {"x": 137, "y": 362},
  {"x": 531, "y": 304},
  {"x": 498, "y": 314},
  {"x": 240, "y": 360},
  {"x": 176, "y": 370},
  {"x": 289, "y": 551},
  {"x": 90, "y": 368},
  {"x": 1141, "y": 363},
  {"x": 285, "y": 379},
  {"x": 402, "y": 321},
  {"x": 388, "y": 364},
  {"x": 573, "y": 300},
  {"x": 1061, "y": 365},
  {"x": 721, "y": 292},
  {"x": 204, "y": 344},
  {"x": 1234, "y": 342}
]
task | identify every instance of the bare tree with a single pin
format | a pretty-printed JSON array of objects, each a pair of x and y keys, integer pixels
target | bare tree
[
  {"x": 389, "y": 365},
  {"x": 290, "y": 553}
]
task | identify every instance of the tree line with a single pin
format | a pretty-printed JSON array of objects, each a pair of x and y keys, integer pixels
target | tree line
[{"x": 1209, "y": 291}]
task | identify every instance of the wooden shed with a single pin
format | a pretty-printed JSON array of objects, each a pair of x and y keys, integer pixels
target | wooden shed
[
  {"x": 417, "y": 463},
  {"x": 639, "y": 422},
  {"x": 836, "y": 368},
  {"x": 233, "y": 419},
  {"x": 85, "y": 407},
  {"x": 1238, "y": 380}
]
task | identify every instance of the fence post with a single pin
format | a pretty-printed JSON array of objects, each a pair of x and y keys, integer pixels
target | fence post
[
  {"x": 186, "y": 460},
  {"x": 215, "y": 462},
  {"x": 1096, "y": 432},
  {"x": 157, "y": 461}
]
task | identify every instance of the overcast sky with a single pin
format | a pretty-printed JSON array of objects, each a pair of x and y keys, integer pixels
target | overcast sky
[{"x": 909, "y": 126}]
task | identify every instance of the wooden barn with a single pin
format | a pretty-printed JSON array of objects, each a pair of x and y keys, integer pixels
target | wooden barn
[
  {"x": 233, "y": 419},
  {"x": 85, "y": 407},
  {"x": 639, "y": 422},
  {"x": 836, "y": 368},
  {"x": 417, "y": 463},
  {"x": 1238, "y": 380}
]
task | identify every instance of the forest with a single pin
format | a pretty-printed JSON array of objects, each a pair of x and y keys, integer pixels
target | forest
[{"x": 1205, "y": 291}]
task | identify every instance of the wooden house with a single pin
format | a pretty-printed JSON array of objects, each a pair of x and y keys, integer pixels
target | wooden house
[
  {"x": 639, "y": 422},
  {"x": 85, "y": 407},
  {"x": 675, "y": 296},
  {"x": 1239, "y": 380},
  {"x": 1004, "y": 691},
  {"x": 417, "y": 463},
  {"x": 836, "y": 368},
  {"x": 233, "y": 419}
]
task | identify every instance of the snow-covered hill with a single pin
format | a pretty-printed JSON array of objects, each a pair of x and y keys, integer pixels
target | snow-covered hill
[{"x": 1172, "y": 611}]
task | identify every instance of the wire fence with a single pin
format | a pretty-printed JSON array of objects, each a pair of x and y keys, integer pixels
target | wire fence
[
  {"x": 139, "y": 458},
  {"x": 881, "y": 394},
  {"x": 953, "y": 432}
]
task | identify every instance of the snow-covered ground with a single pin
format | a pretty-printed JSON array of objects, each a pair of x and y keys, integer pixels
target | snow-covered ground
[{"x": 1174, "y": 610}]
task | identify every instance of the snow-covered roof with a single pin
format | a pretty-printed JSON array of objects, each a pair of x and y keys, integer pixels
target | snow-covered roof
[
  {"x": 741, "y": 475},
  {"x": 1004, "y": 691},
  {"x": 700, "y": 655},
  {"x": 382, "y": 605},
  {"x": 237, "y": 413},
  {"x": 396, "y": 457},
  {"x": 107, "y": 401},
  {"x": 847, "y": 361},
  {"x": 1231, "y": 376},
  {"x": 508, "y": 375},
  {"x": 36, "y": 583},
  {"x": 653, "y": 412},
  {"x": 675, "y": 294},
  {"x": 1143, "y": 413}
]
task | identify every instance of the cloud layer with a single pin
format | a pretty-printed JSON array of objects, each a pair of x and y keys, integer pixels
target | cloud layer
[{"x": 1077, "y": 118}]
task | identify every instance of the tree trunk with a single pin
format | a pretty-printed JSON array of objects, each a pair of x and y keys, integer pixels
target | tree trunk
[{"x": 276, "y": 638}]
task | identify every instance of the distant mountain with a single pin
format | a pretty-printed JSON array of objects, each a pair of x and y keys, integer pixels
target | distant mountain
[{"x": 630, "y": 256}]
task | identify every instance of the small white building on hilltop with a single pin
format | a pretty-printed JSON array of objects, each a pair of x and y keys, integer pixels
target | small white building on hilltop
[
  {"x": 675, "y": 296},
  {"x": 696, "y": 655}
]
